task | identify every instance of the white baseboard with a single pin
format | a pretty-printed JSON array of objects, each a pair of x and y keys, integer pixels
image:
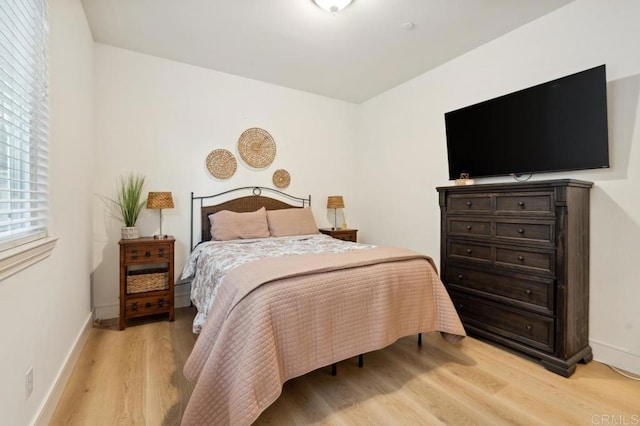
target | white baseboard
[
  {"x": 615, "y": 356},
  {"x": 107, "y": 311},
  {"x": 52, "y": 397},
  {"x": 182, "y": 298}
]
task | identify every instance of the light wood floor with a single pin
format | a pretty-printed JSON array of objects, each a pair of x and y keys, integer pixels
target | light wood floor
[{"x": 134, "y": 377}]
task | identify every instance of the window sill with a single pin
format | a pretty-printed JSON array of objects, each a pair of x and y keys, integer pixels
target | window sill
[{"x": 18, "y": 258}]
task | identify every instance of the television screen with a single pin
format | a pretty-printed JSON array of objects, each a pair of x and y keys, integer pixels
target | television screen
[{"x": 555, "y": 126}]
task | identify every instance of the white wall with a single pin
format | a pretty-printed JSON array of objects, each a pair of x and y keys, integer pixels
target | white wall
[
  {"x": 403, "y": 145},
  {"x": 162, "y": 118},
  {"x": 44, "y": 308}
]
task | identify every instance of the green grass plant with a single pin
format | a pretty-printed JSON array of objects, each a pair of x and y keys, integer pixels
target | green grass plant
[{"x": 130, "y": 200}]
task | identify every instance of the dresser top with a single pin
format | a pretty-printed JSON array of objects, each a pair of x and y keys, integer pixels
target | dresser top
[{"x": 515, "y": 186}]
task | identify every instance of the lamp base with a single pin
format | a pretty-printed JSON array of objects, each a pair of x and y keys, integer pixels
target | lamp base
[{"x": 160, "y": 237}]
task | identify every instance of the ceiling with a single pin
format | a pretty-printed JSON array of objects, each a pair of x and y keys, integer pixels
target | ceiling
[{"x": 353, "y": 55}]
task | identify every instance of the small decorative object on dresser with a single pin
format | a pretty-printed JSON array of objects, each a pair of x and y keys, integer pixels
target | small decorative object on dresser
[
  {"x": 160, "y": 200},
  {"x": 146, "y": 278},
  {"x": 515, "y": 259},
  {"x": 341, "y": 234}
]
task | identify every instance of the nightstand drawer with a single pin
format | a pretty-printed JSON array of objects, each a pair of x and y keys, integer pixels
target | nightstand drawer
[
  {"x": 341, "y": 234},
  {"x": 139, "y": 281},
  {"x": 348, "y": 236},
  {"x": 148, "y": 305},
  {"x": 147, "y": 253}
]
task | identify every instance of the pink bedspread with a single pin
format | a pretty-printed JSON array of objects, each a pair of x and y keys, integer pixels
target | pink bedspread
[{"x": 278, "y": 318}]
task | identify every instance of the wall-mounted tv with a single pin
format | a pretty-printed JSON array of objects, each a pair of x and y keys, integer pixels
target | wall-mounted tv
[{"x": 555, "y": 126}]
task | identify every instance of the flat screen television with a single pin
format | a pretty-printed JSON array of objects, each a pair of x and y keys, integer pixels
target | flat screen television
[{"x": 555, "y": 126}]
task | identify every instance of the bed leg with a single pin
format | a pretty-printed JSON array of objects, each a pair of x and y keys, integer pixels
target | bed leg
[
  {"x": 334, "y": 369},
  {"x": 419, "y": 339},
  {"x": 360, "y": 360}
]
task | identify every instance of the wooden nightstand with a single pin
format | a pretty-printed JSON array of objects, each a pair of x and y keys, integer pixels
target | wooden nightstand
[
  {"x": 341, "y": 234},
  {"x": 146, "y": 278}
]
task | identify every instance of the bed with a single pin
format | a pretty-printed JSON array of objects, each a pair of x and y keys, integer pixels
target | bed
[{"x": 277, "y": 304}]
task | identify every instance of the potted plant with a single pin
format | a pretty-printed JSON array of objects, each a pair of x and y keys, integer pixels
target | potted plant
[{"x": 130, "y": 203}]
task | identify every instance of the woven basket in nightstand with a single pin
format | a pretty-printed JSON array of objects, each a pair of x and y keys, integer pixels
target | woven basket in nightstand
[{"x": 147, "y": 280}]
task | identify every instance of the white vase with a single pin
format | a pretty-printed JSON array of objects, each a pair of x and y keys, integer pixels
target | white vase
[{"x": 130, "y": 232}]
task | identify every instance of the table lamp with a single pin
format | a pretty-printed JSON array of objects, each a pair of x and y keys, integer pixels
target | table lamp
[
  {"x": 335, "y": 202},
  {"x": 160, "y": 200}
]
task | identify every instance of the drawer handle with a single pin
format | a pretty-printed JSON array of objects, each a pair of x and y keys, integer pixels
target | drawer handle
[
  {"x": 134, "y": 306},
  {"x": 521, "y": 258},
  {"x": 147, "y": 254},
  {"x": 460, "y": 277},
  {"x": 134, "y": 254},
  {"x": 528, "y": 292},
  {"x": 468, "y": 251},
  {"x": 160, "y": 303},
  {"x": 469, "y": 203},
  {"x": 528, "y": 327},
  {"x": 520, "y": 231},
  {"x": 147, "y": 305},
  {"x": 468, "y": 227},
  {"x": 521, "y": 204}
]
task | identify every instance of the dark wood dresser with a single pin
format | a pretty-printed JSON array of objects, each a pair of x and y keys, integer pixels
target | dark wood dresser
[
  {"x": 146, "y": 278},
  {"x": 515, "y": 260}
]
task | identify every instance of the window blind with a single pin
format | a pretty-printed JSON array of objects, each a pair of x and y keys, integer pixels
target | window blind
[{"x": 24, "y": 119}]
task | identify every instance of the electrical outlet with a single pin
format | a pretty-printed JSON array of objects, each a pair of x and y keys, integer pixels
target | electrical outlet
[{"x": 29, "y": 381}]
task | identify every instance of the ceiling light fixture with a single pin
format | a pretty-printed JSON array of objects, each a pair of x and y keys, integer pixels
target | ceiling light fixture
[{"x": 332, "y": 6}]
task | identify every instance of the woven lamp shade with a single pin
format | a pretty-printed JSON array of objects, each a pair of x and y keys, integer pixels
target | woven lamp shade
[
  {"x": 160, "y": 200},
  {"x": 335, "y": 202}
]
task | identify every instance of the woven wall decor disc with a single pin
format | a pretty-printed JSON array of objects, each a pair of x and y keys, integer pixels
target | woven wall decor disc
[
  {"x": 257, "y": 148},
  {"x": 281, "y": 178},
  {"x": 221, "y": 163}
]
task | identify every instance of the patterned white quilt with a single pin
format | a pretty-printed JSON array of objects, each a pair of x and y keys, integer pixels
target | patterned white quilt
[{"x": 210, "y": 262}]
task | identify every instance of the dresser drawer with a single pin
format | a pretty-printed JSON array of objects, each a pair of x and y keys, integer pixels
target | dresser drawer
[
  {"x": 529, "y": 232},
  {"x": 469, "y": 203},
  {"x": 528, "y": 328},
  {"x": 147, "y": 253},
  {"x": 525, "y": 203},
  {"x": 533, "y": 293},
  {"x": 534, "y": 261},
  {"x": 148, "y": 305},
  {"x": 469, "y": 251},
  {"x": 469, "y": 227}
]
